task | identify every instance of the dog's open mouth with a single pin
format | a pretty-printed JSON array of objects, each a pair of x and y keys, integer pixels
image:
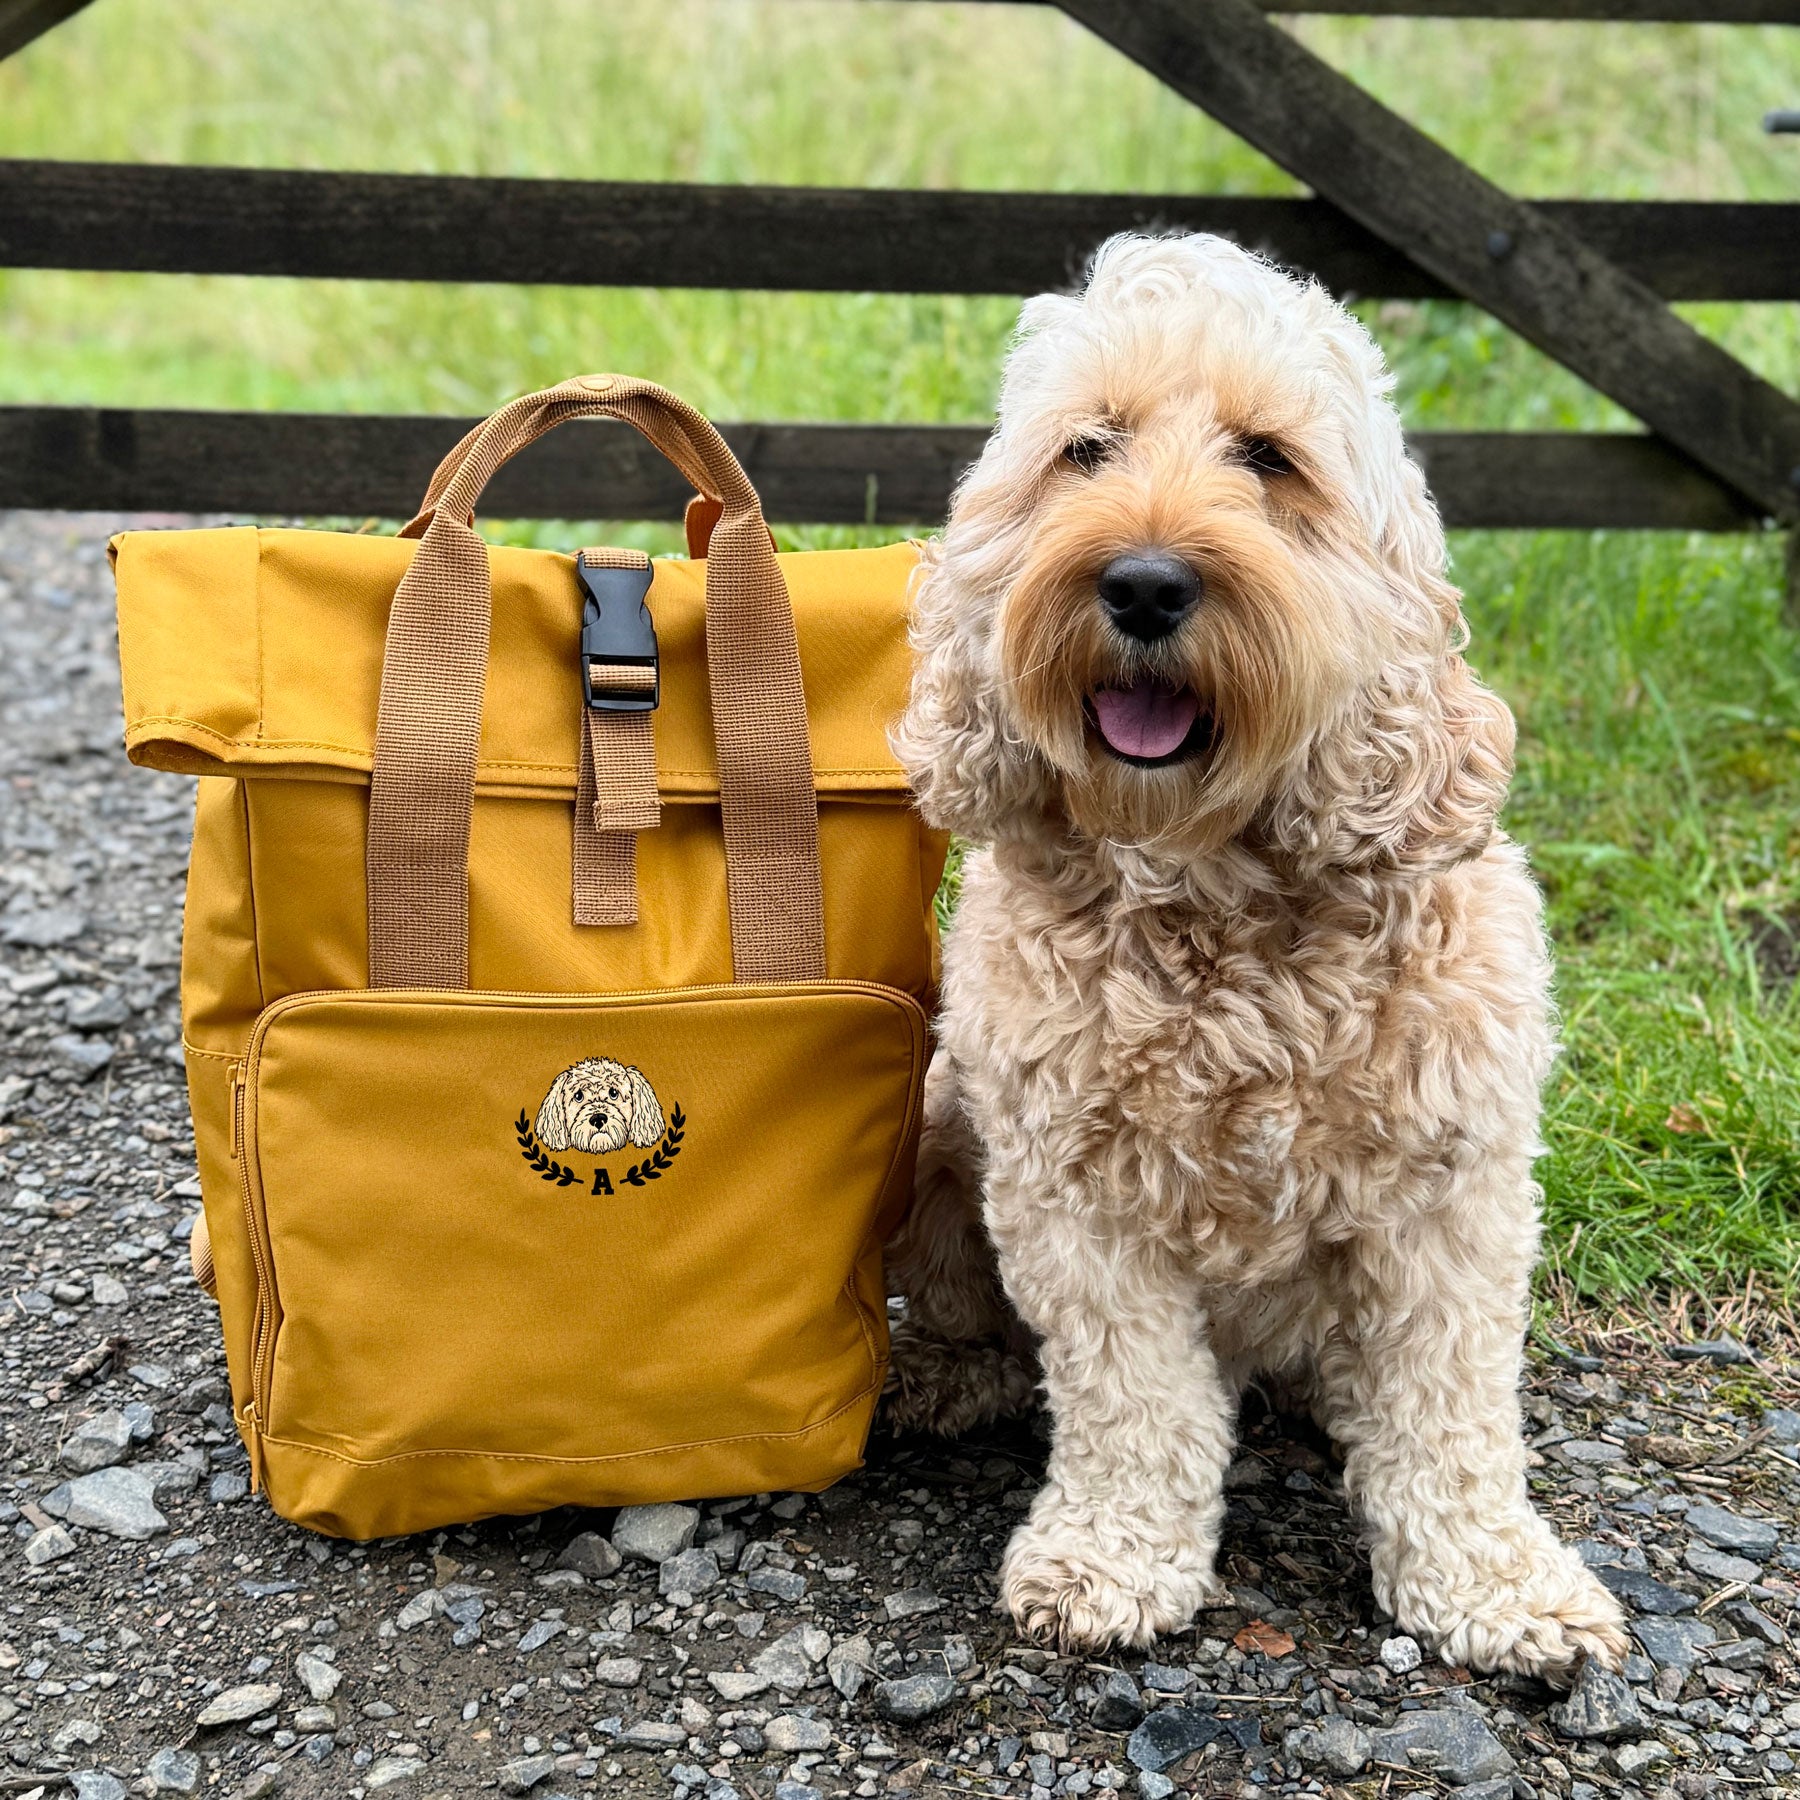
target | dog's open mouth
[{"x": 1150, "y": 723}]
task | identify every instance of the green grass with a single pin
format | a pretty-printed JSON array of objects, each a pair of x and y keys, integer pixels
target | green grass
[{"x": 1657, "y": 689}]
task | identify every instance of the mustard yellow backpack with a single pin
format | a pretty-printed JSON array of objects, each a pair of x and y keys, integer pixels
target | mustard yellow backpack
[{"x": 558, "y": 943}]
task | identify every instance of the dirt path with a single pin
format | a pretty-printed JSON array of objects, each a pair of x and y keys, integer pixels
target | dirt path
[{"x": 829, "y": 1645}]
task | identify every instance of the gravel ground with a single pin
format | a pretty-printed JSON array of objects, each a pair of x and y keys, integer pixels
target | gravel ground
[{"x": 164, "y": 1633}]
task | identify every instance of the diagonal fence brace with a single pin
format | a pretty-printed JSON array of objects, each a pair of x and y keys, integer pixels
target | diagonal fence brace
[{"x": 1529, "y": 272}]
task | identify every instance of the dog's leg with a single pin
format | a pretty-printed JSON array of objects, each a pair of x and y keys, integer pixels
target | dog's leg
[
  {"x": 1120, "y": 1542},
  {"x": 1419, "y": 1386},
  {"x": 961, "y": 1359}
]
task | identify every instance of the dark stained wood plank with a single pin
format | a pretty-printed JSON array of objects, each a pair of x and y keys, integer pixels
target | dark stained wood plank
[
  {"x": 297, "y": 464},
  {"x": 221, "y": 221},
  {"x": 1524, "y": 267},
  {"x": 1645, "y": 12},
  {"x": 23, "y": 21}
]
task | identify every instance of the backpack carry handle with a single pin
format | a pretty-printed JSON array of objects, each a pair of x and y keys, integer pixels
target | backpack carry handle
[{"x": 434, "y": 674}]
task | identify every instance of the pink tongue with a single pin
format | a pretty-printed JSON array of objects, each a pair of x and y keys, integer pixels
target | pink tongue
[{"x": 1145, "y": 719}]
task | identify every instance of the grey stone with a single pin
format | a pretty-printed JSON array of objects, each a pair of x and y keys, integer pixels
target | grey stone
[
  {"x": 1336, "y": 1745},
  {"x": 1715, "y": 1565},
  {"x": 537, "y": 1635},
  {"x": 391, "y": 1769},
  {"x": 140, "y": 1420},
  {"x": 320, "y": 1678},
  {"x": 653, "y": 1534},
  {"x": 86, "y": 1056},
  {"x": 790, "y": 1734},
  {"x": 1645, "y": 1592},
  {"x": 120, "y": 1502},
  {"x": 619, "y": 1672},
  {"x": 425, "y": 1605},
  {"x": 735, "y": 1686},
  {"x": 1673, "y": 1643},
  {"x": 109, "y": 1290},
  {"x": 1590, "y": 1453},
  {"x": 1172, "y": 1732},
  {"x": 524, "y": 1773},
  {"x": 653, "y": 1734},
  {"x": 315, "y": 1718},
  {"x": 850, "y": 1664},
  {"x": 1782, "y": 1424},
  {"x": 914, "y": 1697},
  {"x": 1153, "y": 1786},
  {"x": 98, "y": 1443},
  {"x": 173, "y": 1771},
  {"x": 74, "y": 1734},
  {"x": 1731, "y": 1531},
  {"x": 590, "y": 1555},
  {"x": 791, "y": 1659},
  {"x": 1453, "y": 1745},
  {"x": 1401, "y": 1655},
  {"x": 43, "y": 928},
  {"x": 87, "y": 1010},
  {"x": 1633, "y": 1761},
  {"x": 1603, "y": 1706},
  {"x": 1118, "y": 1706},
  {"x": 784, "y": 1584},
  {"x": 1718, "y": 1350},
  {"x": 1161, "y": 1679},
  {"x": 96, "y": 1784},
  {"x": 691, "y": 1572},
  {"x": 911, "y": 1603},
  {"x": 228, "y": 1486},
  {"x": 238, "y": 1704},
  {"x": 170, "y": 1480},
  {"x": 1758, "y": 1623},
  {"x": 47, "y": 1545}
]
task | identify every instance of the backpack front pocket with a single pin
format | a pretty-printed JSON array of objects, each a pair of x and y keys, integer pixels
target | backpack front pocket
[{"x": 515, "y": 1251}]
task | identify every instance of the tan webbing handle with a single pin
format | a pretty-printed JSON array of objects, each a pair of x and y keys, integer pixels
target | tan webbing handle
[{"x": 434, "y": 674}]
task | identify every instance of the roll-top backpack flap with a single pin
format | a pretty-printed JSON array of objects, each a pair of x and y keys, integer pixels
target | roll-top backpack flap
[{"x": 255, "y": 652}]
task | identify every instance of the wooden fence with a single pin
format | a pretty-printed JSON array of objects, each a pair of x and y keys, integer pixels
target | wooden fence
[{"x": 1394, "y": 215}]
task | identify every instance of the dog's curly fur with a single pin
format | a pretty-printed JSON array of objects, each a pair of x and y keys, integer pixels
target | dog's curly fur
[
  {"x": 599, "y": 1106},
  {"x": 1239, "y": 1056}
]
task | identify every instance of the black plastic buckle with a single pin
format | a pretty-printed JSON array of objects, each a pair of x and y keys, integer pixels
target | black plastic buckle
[{"x": 616, "y": 627}]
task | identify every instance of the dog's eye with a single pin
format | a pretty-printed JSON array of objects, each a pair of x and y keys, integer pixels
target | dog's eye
[
  {"x": 1263, "y": 456},
  {"x": 1085, "y": 453}
]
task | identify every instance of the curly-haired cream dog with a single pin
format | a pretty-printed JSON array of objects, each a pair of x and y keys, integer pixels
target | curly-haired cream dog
[
  {"x": 598, "y": 1106},
  {"x": 1245, "y": 1007}
]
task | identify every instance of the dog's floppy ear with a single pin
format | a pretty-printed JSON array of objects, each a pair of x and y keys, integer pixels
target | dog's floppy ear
[
  {"x": 968, "y": 765},
  {"x": 647, "y": 1123},
  {"x": 553, "y": 1116},
  {"x": 1411, "y": 779}
]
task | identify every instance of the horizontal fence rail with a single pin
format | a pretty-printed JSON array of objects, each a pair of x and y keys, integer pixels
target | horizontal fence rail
[
  {"x": 1621, "y": 12},
  {"x": 227, "y": 221},
  {"x": 95, "y": 459}
]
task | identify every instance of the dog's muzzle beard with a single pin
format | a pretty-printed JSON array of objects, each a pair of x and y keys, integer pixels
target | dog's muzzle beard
[{"x": 598, "y": 1131}]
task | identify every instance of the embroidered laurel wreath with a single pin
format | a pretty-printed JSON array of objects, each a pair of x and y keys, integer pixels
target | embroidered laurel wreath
[{"x": 650, "y": 1169}]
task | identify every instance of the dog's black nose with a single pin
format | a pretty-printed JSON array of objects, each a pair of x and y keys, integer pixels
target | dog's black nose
[
  {"x": 597, "y": 1120},
  {"x": 1147, "y": 596}
]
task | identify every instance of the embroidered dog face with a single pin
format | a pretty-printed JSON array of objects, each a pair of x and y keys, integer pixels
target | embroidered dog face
[
  {"x": 598, "y": 1106},
  {"x": 1195, "y": 585}
]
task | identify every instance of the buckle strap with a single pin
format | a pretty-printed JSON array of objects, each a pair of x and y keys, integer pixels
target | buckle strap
[{"x": 616, "y": 794}]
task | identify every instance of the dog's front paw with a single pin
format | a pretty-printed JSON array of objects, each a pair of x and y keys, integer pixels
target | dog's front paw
[
  {"x": 937, "y": 1385},
  {"x": 1539, "y": 1612},
  {"x": 1065, "y": 1587}
]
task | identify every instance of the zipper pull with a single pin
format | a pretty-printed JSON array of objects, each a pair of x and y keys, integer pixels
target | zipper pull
[
  {"x": 236, "y": 1074},
  {"x": 254, "y": 1446}
]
